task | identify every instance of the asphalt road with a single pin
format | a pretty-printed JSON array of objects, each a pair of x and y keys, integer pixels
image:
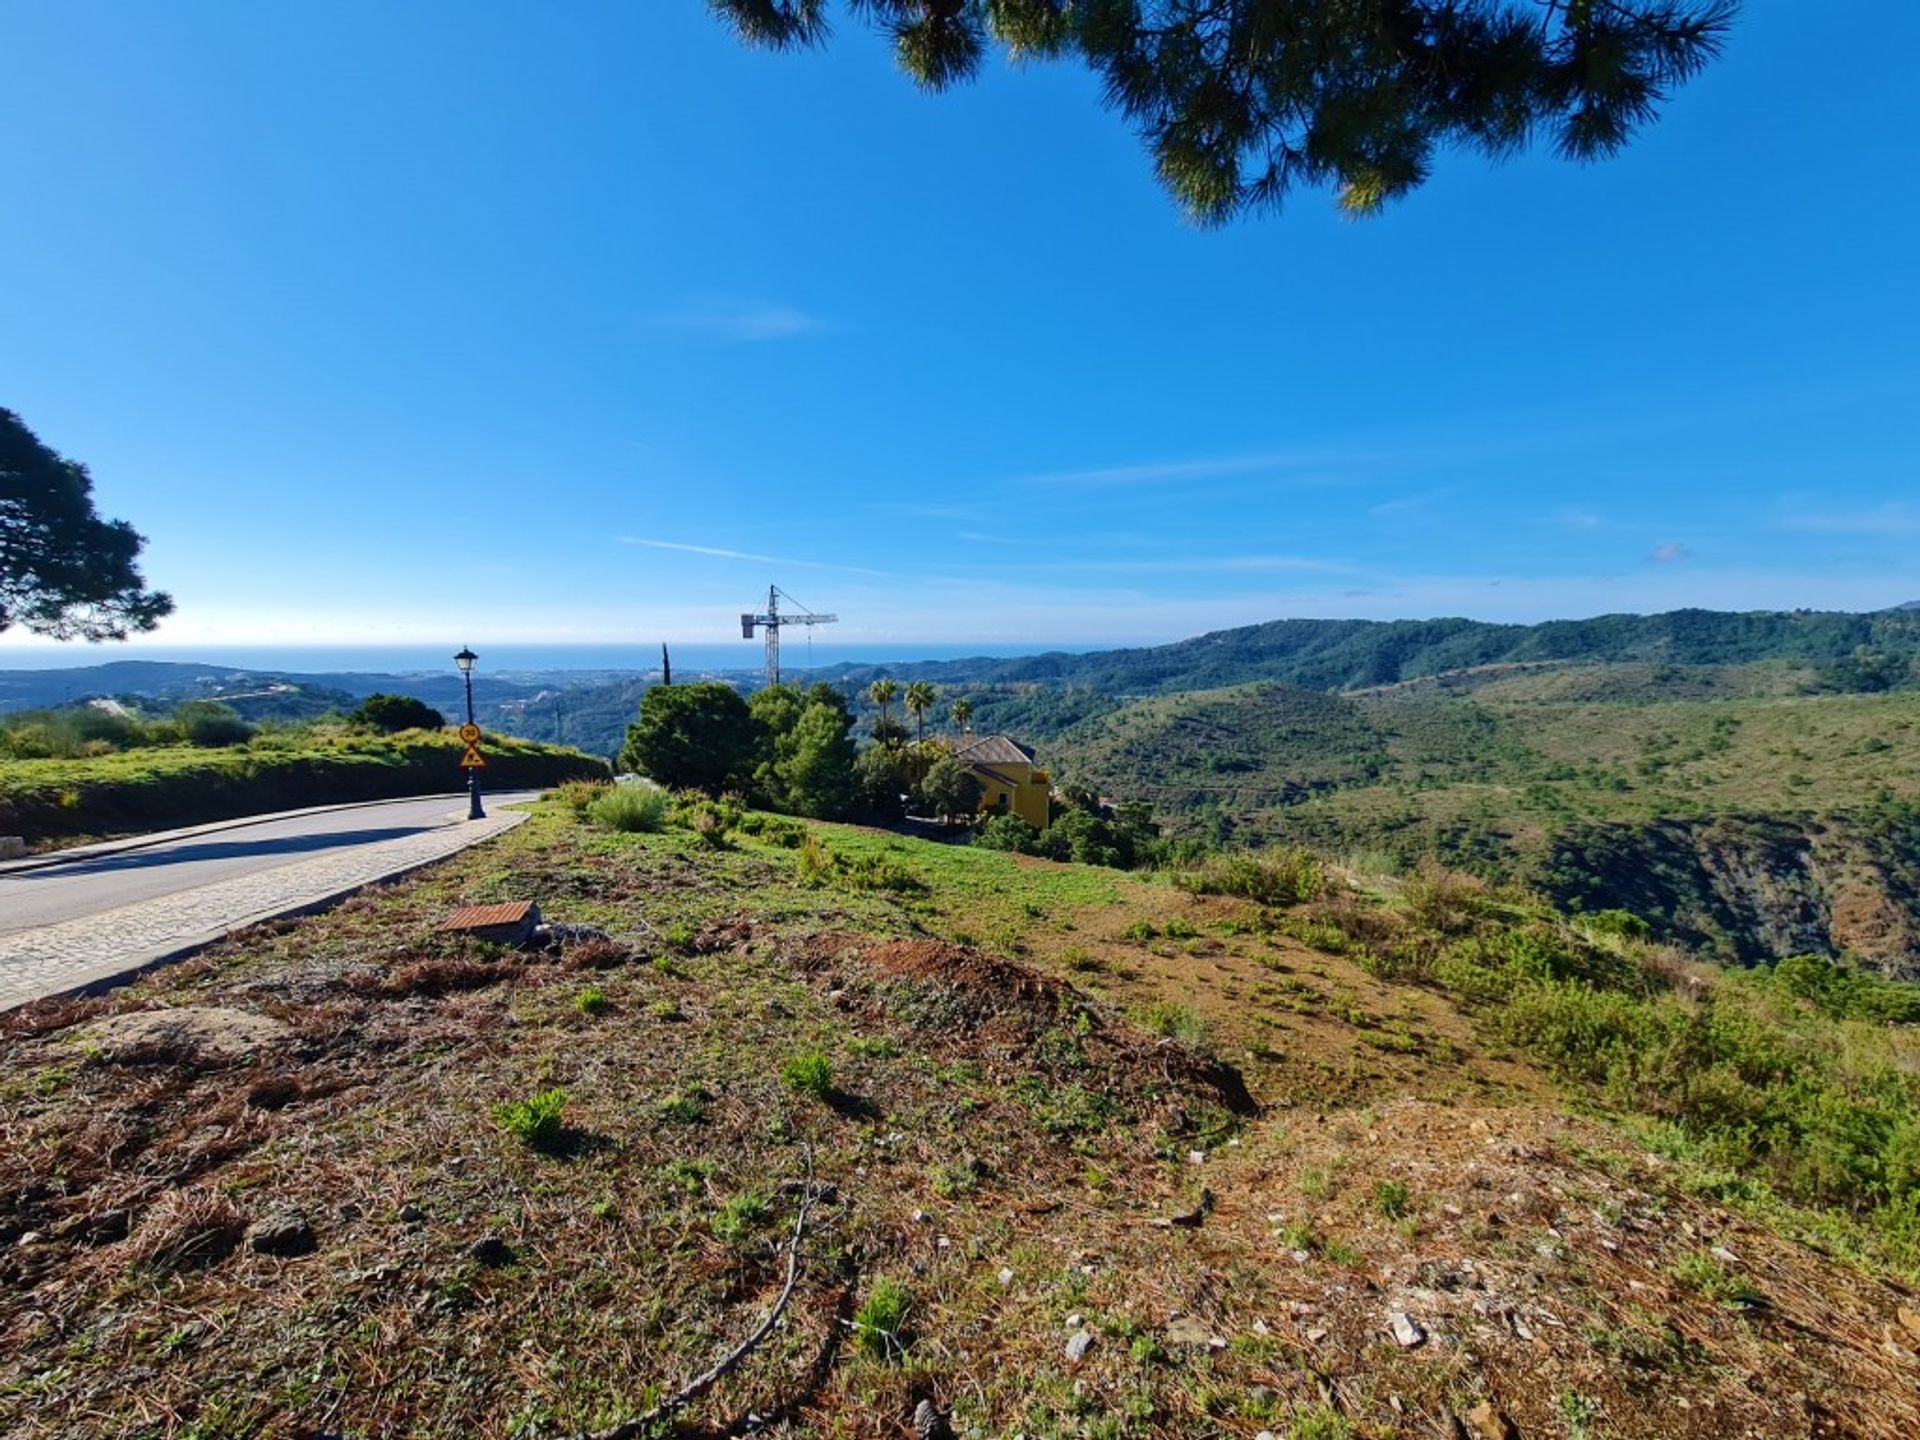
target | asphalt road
[{"x": 88, "y": 885}]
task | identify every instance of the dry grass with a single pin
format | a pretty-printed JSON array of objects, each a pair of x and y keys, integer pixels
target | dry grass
[{"x": 987, "y": 1117}]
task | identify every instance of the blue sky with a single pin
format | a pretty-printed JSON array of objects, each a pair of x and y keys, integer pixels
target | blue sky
[{"x": 509, "y": 323}]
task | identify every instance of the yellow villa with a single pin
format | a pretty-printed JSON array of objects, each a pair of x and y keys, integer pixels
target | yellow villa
[{"x": 1008, "y": 779}]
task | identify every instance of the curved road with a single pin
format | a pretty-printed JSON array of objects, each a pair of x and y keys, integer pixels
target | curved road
[{"x": 48, "y": 890}]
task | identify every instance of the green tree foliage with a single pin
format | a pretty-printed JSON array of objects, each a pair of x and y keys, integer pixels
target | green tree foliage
[
  {"x": 64, "y": 571},
  {"x": 880, "y": 778},
  {"x": 949, "y": 789},
  {"x": 919, "y": 700},
  {"x": 817, "y": 774},
  {"x": 883, "y": 693},
  {"x": 391, "y": 713},
  {"x": 210, "y": 724},
  {"x": 962, "y": 713},
  {"x": 1239, "y": 101},
  {"x": 700, "y": 737}
]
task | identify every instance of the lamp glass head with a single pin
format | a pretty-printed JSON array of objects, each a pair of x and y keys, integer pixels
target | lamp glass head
[{"x": 465, "y": 660}]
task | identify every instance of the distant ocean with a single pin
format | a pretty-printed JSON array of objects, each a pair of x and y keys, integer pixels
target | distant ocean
[{"x": 795, "y": 654}]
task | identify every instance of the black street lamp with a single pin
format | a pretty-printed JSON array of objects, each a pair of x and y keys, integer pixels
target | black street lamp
[{"x": 465, "y": 661}]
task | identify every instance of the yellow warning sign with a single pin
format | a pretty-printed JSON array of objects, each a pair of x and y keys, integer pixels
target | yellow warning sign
[
  {"x": 470, "y": 733},
  {"x": 473, "y": 759}
]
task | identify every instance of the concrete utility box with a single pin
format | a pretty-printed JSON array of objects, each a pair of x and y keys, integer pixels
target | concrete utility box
[
  {"x": 510, "y": 924},
  {"x": 12, "y": 847}
]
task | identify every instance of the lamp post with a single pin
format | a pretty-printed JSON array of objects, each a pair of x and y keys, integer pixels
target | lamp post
[{"x": 465, "y": 661}]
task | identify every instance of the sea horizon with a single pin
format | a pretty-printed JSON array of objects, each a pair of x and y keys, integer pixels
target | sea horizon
[{"x": 506, "y": 660}]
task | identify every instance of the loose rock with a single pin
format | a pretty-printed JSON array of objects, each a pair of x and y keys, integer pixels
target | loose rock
[
  {"x": 284, "y": 1233},
  {"x": 1406, "y": 1329},
  {"x": 1078, "y": 1344}
]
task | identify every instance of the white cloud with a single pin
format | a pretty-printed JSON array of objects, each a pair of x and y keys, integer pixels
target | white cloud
[
  {"x": 719, "y": 553},
  {"x": 1893, "y": 518},
  {"x": 1671, "y": 553},
  {"x": 740, "y": 322}
]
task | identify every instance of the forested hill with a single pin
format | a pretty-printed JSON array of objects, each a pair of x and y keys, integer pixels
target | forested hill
[{"x": 1350, "y": 654}]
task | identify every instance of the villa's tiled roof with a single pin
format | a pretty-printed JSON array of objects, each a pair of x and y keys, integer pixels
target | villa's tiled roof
[{"x": 993, "y": 750}]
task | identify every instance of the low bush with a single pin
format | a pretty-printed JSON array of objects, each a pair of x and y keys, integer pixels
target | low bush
[
  {"x": 810, "y": 1073},
  {"x": 1281, "y": 875},
  {"x": 579, "y": 795},
  {"x": 879, "y": 1322},
  {"x": 632, "y": 807},
  {"x": 536, "y": 1121}
]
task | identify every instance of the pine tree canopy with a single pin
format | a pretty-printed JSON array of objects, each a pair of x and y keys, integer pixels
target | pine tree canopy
[
  {"x": 1241, "y": 101},
  {"x": 64, "y": 571}
]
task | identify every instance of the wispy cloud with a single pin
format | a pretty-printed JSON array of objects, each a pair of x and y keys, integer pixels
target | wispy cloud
[
  {"x": 721, "y": 553},
  {"x": 739, "y": 322},
  {"x": 1892, "y": 518},
  {"x": 1194, "y": 565},
  {"x": 1386, "y": 509},
  {"x": 1671, "y": 553},
  {"x": 1576, "y": 519},
  {"x": 1316, "y": 465}
]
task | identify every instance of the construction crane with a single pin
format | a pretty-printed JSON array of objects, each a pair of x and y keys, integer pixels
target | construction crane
[{"x": 773, "y": 621}]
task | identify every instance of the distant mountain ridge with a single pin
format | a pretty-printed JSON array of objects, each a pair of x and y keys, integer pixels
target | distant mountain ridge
[{"x": 1357, "y": 654}]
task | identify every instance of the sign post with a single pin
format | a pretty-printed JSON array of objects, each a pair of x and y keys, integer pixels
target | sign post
[{"x": 473, "y": 762}]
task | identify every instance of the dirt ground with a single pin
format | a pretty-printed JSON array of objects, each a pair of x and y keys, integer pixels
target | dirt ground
[{"x": 1197, "y": 1182}]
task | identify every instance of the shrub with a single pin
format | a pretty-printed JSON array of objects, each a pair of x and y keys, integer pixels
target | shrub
[
  {"x": 1177, "y": 1022},
  {"x": 810, "y": 1073},
  {"x": 1008, "y": 832},
  {"x": 391, "y": 713},
  {"x": 579, "y": 795},
  {"x": 1390, "y": 1198},
  {"x": 772, "y": 830},
  {"x": 740, "y": 1216},
  {"x": 878, "y": 1323},
  {"x": 1282, "y": 875},
  {"x": 535, "y": 1122},
  {"x": 630, "y": 807},
  {"x": 209, "y": 724},
  {"x": 712, "y": 821},
  {"x": 592, "y": 1001}
]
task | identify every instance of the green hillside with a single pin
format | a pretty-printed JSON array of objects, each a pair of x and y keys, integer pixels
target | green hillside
[
  {"x": 1871, "y": 650},
  {"x": 1742, "y": 794}
]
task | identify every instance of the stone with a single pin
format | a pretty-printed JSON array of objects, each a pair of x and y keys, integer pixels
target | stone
[
  {"x": 284, "y": 1233},
  {"x": 929, "y": 1423},
  {"x": 1909, "y": 1321},
  {"x": 1185, "y": 1330},
  {"x": 411, "y": 1214},
  {"x": 1489, "y": 1423},
  {"x": 1078, "y": 1344},
  {"x": 1405, "y": 1329},
  {"x": 491, "y": 1251},
  {"x": 1006, "y": 1277}
]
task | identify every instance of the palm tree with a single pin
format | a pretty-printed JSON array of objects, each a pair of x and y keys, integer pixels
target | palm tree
[
  {"x": 962, "y": 713},
  {"x": 920, "y": 698},
  {"x": 881, "y": 692}
]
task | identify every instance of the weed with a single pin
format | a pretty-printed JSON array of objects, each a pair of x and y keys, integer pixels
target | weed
[
  {"x": 634, "y": 807},
  {"x": 592, "y": 1001},
  {"x": 1080, "y": 962},
  {"x": 1577, "y": 1413},
  {"x": 741, "y": 1215},
  {"x": 1140, "y": 930},
  {"x": 1282, "y": 875},
  {"x": 1181, "y": 930},
  {"x": 1390, "y": 1198},
  {"x": 1177, "y": 1022},
  {"x": 535, "y": 1122},
  {"x": 1318, "y": 1423},
  {"x": 1703, "y": 1274},
  {"x": 877, "y": 1324},
  {"x": 810, "y": 1073},
  {"x": 683, "y": 1107},
  {"x": 1316, "y": 1182}
]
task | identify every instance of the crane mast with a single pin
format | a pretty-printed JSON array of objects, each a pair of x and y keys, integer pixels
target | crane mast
[{"x": 772, "y": 621}]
